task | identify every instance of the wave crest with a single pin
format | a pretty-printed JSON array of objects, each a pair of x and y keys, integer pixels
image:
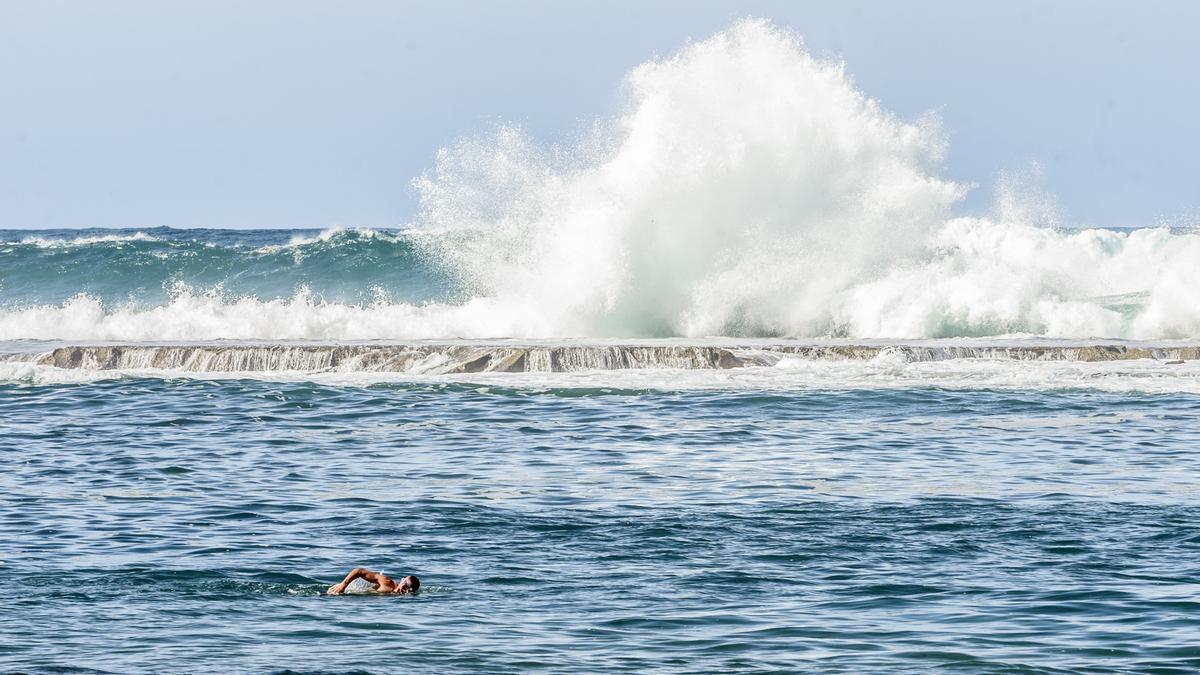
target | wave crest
[
  {"x": 90, "y": 240},
  {"x": 745, "y": 184},
  {"x": 747, "y": 189}
]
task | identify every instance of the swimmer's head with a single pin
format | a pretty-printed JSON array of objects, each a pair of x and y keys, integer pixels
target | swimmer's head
[{"x": 409, "y": 584}]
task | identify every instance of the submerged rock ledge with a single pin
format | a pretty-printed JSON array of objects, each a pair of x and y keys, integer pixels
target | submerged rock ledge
[{"x": 450, "y": 357}]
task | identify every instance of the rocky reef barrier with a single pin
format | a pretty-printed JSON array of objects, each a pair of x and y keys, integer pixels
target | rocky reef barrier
[{"x": 476, "y": 357}]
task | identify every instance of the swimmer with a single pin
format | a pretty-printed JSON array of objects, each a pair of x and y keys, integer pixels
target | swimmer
[{"x": 382, "y": 583}]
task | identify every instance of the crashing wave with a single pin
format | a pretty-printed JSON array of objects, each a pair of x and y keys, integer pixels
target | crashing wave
[{"x": 747, "y": 189}]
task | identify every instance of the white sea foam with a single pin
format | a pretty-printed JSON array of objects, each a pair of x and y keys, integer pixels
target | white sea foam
[
  {"x": 67, "y": 242},
  {"x": 210, "y": 316},
  {"x": 326, "y": 235},
  {"x": 31, "y": 373},
  {"x": 1142, "y": 376},
  {"x": 747, "y": 189}
]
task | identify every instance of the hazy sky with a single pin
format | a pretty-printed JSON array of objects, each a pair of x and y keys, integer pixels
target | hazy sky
[{"x": 294, "y": 113}]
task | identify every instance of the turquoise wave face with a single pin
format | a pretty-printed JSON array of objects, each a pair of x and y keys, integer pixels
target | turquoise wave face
[
  {"x": 149, "y": 266},
  {"x": 977, "y": 279}
]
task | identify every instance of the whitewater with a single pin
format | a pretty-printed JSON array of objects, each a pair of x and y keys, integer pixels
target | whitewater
[
  {"x": 732, "y": 381},
  {"x": 746, "y": 189}
]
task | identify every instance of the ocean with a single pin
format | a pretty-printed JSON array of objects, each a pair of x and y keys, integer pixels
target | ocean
[
  {"x": 1021, "y": 506},
  {"x": 730, "y": 386}
]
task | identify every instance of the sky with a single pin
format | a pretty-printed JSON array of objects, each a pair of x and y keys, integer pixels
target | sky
[{"x": 293, "y": 113}]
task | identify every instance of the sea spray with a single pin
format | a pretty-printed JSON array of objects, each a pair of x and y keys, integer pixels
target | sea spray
[
  {"x": 746, "y": 189},
  {"x": 745, "y": 184}
]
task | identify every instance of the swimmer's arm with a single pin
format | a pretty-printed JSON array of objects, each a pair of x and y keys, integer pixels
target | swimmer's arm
[{"x": 356, "y": 573}]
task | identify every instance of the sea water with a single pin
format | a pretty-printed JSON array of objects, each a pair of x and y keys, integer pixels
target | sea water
[
  {"x": 882, "y": 513},
  {"x": 162, "y": 524}
]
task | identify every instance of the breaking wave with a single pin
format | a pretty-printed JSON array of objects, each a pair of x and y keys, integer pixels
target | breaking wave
[
  {"x": 70, "y": 242},
  {"x": 746, "y": 189}
]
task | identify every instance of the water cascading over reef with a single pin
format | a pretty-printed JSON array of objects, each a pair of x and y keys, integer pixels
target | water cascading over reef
[{"x": 433, "y": 358}]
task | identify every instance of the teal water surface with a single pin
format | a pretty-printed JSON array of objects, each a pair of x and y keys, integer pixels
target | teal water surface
[
  {"x": 153, "y": 525},
  {"x": 147, "y": 267}
]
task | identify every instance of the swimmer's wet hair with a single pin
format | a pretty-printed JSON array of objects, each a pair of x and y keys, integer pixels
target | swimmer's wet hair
[{"x": 416, "y": 583}]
